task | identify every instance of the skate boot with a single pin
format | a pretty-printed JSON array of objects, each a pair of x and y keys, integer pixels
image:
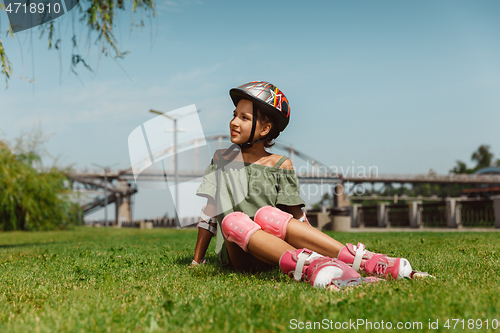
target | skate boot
[
  {"x": 320, "y": 271},
  {"x": 378, "y": 264}
]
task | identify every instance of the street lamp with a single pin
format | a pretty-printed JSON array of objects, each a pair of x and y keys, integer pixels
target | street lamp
[
  {"x": 105, "y": 168},
  {"x": 176, "y": 175}
]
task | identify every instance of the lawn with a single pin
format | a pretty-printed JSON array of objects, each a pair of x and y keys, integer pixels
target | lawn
[{"x": 112, "y": 280}]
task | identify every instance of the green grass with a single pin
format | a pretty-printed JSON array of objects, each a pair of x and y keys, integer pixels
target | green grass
[{"x": 109, "y": 280}]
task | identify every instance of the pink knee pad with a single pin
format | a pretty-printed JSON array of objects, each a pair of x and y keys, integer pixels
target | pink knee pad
[
  {"x": 238, "y": 227},
  {"x": 273, "y": 220}
]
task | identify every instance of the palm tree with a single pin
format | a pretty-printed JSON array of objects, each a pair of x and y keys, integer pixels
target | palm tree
[
  {"x": 483, "y": 157},
  {"x": 461, "y": 167}
]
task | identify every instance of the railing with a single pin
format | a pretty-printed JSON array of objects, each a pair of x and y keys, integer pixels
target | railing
[
  {"x": 368, "y": 216},
  {"x": 477, "y": 213},
  {"x": 318, "y": 172},
  {"x": 398, "y": 215},
  {"x": 468, "y": 213},
  {"x": 312, "y": 217},
  {"x": 453, "y": 213},
  {"x": 94, "y": 171},
  {"x": 131, "y": 224},
  {"x": 161, "y": 222},
  {"x": 459, "y": 178},
  {"x": 433, "y": 214}
]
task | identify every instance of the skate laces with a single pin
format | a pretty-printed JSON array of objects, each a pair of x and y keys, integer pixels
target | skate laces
[
  {"x": 381, "y": 267},
  {"x": 373, "y": 263},
  {"x": 383, "y": 262}
]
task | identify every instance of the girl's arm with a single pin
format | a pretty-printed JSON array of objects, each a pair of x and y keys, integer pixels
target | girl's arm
[
  {"x": 204, "y": 235},
  {"x": 296, "y": 211}
]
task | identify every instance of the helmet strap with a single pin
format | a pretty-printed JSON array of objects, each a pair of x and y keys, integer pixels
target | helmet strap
[{"x": 249, "y": 143}]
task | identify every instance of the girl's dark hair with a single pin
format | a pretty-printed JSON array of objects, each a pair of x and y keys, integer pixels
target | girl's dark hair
[{"x": 274, "y": 132}]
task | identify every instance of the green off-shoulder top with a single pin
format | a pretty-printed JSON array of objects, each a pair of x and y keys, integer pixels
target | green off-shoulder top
[{"x": 246, "y": 187}]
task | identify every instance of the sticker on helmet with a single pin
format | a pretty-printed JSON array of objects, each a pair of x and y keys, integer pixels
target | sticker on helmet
[{"x": 275, "y": 98}]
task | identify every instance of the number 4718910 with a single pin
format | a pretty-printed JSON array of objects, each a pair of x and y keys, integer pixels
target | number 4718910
[
  {"x": 470, "y": 324},
  {"x": 33, "y": 8}
]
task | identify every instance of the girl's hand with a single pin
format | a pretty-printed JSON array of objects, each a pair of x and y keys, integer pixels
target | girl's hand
[{"x": 194, "y": 263}]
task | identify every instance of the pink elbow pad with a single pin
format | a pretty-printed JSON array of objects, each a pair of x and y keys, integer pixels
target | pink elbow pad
[
  {"x": 273, "y": 220},
  {"x": 238, "y": 227}
]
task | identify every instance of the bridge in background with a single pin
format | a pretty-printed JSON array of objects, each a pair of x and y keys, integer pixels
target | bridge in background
[{"x": 120, "y": 185}]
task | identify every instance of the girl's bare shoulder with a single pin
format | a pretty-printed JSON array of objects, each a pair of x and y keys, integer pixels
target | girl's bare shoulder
[{"x": 287, "y": 164}]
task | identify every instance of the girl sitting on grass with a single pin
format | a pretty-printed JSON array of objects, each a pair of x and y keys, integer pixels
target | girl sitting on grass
[{"x": 253, "y": 198}]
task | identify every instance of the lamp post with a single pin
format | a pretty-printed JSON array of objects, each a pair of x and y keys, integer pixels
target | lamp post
[{"x": 176, "y": 175}]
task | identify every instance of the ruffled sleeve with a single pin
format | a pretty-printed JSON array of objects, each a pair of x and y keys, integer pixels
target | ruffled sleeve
[
  {"x": 288, "y": 189},
  {"x": 208, "y": 187}
]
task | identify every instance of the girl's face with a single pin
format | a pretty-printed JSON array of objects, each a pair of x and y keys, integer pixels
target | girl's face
[{"x": 240, "y": 126}]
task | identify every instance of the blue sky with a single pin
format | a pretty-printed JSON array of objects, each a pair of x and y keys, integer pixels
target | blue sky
[{"x": 404, "y": 86}]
